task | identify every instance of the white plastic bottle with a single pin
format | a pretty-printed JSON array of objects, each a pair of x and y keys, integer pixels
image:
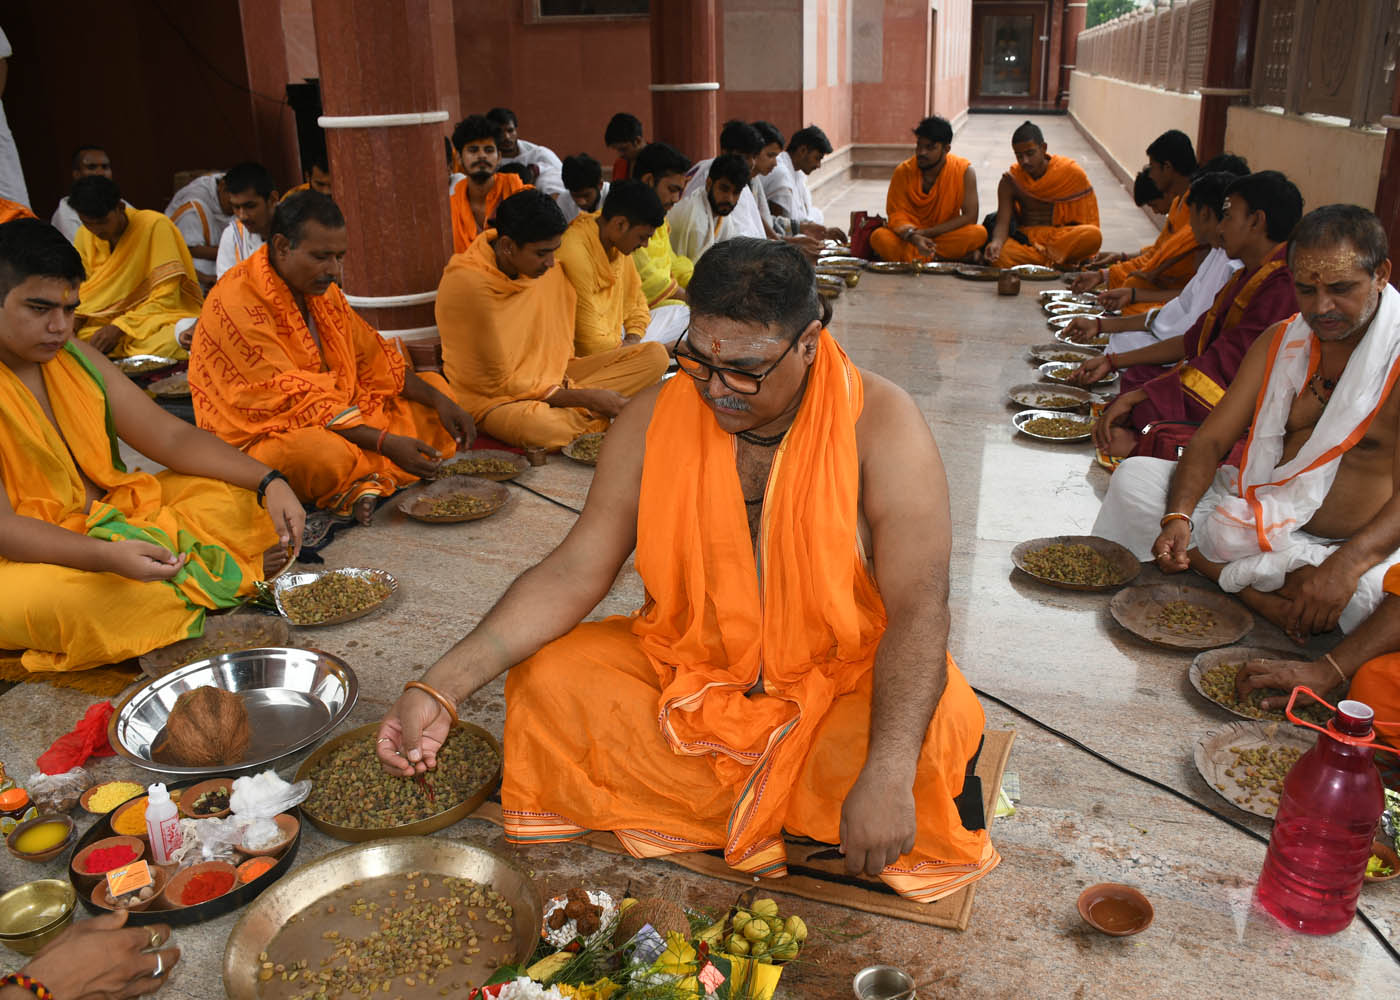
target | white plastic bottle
[{"x": 162, "y": 824}]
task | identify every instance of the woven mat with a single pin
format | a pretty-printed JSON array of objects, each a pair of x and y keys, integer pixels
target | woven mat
[
  {"x": 825, "y": 880},
  {"x": 103, "y": 682}
]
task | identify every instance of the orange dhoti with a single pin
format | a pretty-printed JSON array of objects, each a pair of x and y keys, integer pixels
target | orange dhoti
[
  {"x": 330, "y": 471},
  {"x": 1377, "y": 684},
  {"x": 956, "y": 244},
  {"x": 1052, "y": 246},
  {"x": 583, "y": 752},
  {"x": 533, "y": 423}
]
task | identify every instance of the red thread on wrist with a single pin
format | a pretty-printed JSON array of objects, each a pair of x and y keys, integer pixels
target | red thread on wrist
[{"x": 379, "y": 445}]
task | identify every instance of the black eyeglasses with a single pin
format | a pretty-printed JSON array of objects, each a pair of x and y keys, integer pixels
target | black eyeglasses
[{"x": 735, "y": 379}]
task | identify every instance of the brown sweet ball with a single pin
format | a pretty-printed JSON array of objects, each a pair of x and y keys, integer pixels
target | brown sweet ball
[{"x": 208, "y": 726}]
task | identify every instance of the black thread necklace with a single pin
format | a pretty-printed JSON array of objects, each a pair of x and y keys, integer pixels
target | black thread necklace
[{"x": 761, "y": 440}]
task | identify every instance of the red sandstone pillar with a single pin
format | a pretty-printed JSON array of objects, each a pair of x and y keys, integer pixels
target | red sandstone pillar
[
  {"x": 1229, "y": 61},
  {"x": 1076, "y": 16},
  {"x": 384, "y": 126},
  {"x": 1388, "y": 191},
  {"x": 684, "y": 80}
]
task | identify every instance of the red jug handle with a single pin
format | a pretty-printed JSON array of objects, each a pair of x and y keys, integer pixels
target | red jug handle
[{"x": 1328, "y": 730}]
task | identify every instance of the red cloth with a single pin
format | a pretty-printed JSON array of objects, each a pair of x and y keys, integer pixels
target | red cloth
[{"x": 88, "y": 739}]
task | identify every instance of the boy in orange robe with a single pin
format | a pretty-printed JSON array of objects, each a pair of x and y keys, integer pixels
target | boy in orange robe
[
  {"x": 285, "y": 370},
  {"x": 932, "y": 202},
  {"x": 788, "y": 673},
  {"x": 1050, "y": 202},
  {"x": 475, "y": 200}
]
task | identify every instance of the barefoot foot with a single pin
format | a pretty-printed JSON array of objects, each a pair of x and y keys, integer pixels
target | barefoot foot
[
  {"x": 363, "y": 511},
  {"x": 274, "y": 559}
]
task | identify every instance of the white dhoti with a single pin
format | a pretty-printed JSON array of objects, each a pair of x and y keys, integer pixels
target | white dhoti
[
  {"x": 1251, "y": 518},
  {"x": 667, "y": 324}
]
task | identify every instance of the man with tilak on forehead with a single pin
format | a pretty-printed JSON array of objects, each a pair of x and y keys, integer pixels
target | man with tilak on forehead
[
  {"x": 1305, "y": 529},
  {"x": 788, "y": 672}
]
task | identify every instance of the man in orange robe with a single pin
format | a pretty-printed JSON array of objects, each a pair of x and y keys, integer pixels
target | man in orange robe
[
  {"x": 932, "y": 202},
  {"x": 283, "y": 369},
  {"x": 475, "y": 199},
  {"x": 1368, "y": 659},
  {"x": 788, "y": 672},
  {"x": 1046, "y": 200}
]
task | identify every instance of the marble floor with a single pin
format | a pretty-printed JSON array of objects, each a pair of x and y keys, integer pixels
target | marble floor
[{"x": 1056, "y": 655}]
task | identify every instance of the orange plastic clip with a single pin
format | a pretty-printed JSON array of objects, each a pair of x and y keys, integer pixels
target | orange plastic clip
[{"x": 1330, "y": 730}]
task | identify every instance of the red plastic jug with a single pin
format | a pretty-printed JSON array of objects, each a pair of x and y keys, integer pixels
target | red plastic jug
[{"x": 1321, "y": 842}]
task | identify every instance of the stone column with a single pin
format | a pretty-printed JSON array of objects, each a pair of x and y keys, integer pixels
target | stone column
[
  {"x": 684, "y": 80},
  {"x": 1388, "y": 190},
  {"x": 1229, "y": 61},
  {"x": 384, "y": 125},
  {"x": 1076, "y": 15}
]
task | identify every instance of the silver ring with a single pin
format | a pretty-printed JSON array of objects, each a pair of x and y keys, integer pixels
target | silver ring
[{"x": 160, "y": 966}]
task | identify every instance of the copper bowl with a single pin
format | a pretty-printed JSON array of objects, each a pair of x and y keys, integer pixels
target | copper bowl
[
  {"x": 1115, "y": 910},
  {"x": 1384, "y": 852},
  {"x": 191, "y": 795},
  {"x": 52, "y": 852},
  {"x": 102, "y": 898},
  {"x": 84, "y": 879},
  {"x": 287, "y": 825},
  {"x": 174, "y": 889}
]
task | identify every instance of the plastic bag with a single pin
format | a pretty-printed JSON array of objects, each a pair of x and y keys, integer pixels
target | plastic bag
[
  {"x": 256, "y": 801},
  {"x": 58, "y": 793},
  {"x": 206, "y": 840}
]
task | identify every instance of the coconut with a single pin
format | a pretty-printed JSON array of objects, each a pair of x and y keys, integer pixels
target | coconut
[
  {"x": 208, "y": 726},
  {"x": 663, "y": 915}
]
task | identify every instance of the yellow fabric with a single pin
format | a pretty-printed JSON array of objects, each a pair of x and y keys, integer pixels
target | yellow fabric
[
  {"x": 609, "y": 293},
  {"x": 508, "y": 343},
  {"x": 70, "y": 619},
  {"x": 661, "y": 269},
  {"x": 143, "y": 286}
]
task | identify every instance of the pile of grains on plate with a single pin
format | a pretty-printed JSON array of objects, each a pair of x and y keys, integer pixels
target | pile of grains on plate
[{"x": 1072, "y": 563}]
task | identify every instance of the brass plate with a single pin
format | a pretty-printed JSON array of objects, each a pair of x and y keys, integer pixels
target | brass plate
[
  {"x": 1124, "y": 563},
  {"x": 1132, "y": 608},
  {"x": 520, "y": 462},
  {"x": 891, "y": 267},
  {"x": 937, "y": 266},
  {"x": 294, "y": 580},
  {"x": 570, "y": 450},
  {"x": 264, "y": 918},
  {"x": 432, "y": 824},
  {"x": 417, "y": 503},
  {"x": 1213, "y": 757}
]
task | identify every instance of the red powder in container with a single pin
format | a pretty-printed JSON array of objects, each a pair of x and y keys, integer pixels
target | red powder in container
[
  {"x": 205, "y": 886},
  {"x": 104, "y": 859}
]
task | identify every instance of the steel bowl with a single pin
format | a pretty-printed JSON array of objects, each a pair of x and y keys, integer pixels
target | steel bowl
[
  {"x": 265, "y": 917},
  {"x": 33, "y": 915},
  {"x": 882, "y": 982},
  {"x": 295, "y": 697}
]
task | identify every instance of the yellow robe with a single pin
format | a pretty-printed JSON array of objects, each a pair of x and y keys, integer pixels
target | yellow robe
[
  {"x": 661, "y": 269},
  {"x": 608, "y": 289},
  {"x": 73, "y": 619},
  {"x": 143, "y": 286}
]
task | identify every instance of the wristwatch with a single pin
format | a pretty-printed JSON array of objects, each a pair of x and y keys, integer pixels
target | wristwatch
[{"x": 266, "y": 482}]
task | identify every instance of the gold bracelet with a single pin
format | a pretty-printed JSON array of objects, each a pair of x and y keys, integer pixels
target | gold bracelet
[
  {"x": 1176, "y": 515},
  {"x": 437, "y": 696},
  {"x": 1328, "y": 658}
]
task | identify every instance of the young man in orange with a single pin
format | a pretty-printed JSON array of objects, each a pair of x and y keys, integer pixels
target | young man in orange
[
  {"x": 1046, "y": 210},
  {"x": 285, "y": 370},
  {"x": 932, "y": 202},
  {"x": 789, "y": 672},
  {"x": 475, "y": 198}
]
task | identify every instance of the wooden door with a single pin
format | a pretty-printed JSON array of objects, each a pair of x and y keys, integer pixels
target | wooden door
[{"x": 1007, "y": 53}]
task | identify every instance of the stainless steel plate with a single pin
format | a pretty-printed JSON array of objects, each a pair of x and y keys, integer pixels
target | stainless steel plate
[
  {"x": 1020, "y": 420},
  {"x": 294, "y": 697},
  {"x": 842, "y": 260},
  {"x": 1071, "y": 307},
  {"x": 1051, "y": 369},
  {"x": 264, "y": 918},
  {"x": 140, "y": 364},
  {"x": 1061, "y": 351},
  {"x": 1093, "y": 344},
  {"x": 936, "y": 266},
  {"x": 1034, "y": 272},
  {"x": 1032, "y": 394},
  {"x": 294, "y": 580}
]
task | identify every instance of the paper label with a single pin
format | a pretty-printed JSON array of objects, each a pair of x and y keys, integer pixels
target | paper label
[{"x": 129, "y": 878}]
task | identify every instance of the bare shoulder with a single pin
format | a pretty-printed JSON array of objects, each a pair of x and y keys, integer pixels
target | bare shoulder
[
  {"x": 97, "y": 359},
  {"x": 891, "y": 429}
]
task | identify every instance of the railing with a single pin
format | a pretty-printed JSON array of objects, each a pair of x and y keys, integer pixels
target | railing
[
  {"x": 1324, "y": 57},
  {"x": 1165, "y": 47}
]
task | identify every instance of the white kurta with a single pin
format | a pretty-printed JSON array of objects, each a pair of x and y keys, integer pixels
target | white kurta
[
  {"x": 695, "y": 228},
  {"x": 551, "y": 168},
  {"x": 11, "y": 175},
  {"x": 747, "y": 215},
  {"x": 570, "y": 207},
  {"x": 1181, "y": 313},
  {"x": 786, "y": 187},
  {"x": 235, "y": 246},
  {"x": 196, "y": 213}
]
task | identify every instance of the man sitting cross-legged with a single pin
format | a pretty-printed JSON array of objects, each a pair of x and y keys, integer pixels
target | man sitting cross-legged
[
  {"x": 98, "y": 563},
  {"x": 1046, "y": 210},
  {"x": 475, "y": 199},
  {"x": 1260, "y": 211},
  {"x": 1306, "y": 527},
  {"x": 284, "y": 369},
  {"x": 253, "y": 195},
  {"x": 596, "y": 256},
  {"x": 506, "y": 315},
  {"x": 932, "y": 202},
  {"x": 788, "y": 673},
  {"x": 786, "y": 188},
  {"x": 708, "y": 214},
  {"x": 141, "y": 292}
]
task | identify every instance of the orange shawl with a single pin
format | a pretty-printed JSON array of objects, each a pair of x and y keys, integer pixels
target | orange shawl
[
  {"x": 1170, "y": 261},
  {"x": 1063, "y": 185},
  {"x": 464, "y": 228},
  {"x": 807, "y": 618},
  {"x": 503, "y": 339},
  {"x": 12, "y": 210},
  {"x": 908, "y": 204},
  {"x": 256, "y": 370}
]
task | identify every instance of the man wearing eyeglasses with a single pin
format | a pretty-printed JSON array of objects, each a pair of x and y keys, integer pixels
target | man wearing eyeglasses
[{"x": 788, "y": 673}]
